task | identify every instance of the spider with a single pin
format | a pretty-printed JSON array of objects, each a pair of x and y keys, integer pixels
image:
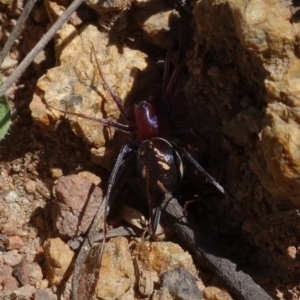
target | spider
[{"x": 159, "y": 163}]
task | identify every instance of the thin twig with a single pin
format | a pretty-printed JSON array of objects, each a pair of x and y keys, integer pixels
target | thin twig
[
  {"x": 120, "y": 231},
  {"x": 96, "y": 226},
  {"x": 17, "y": 29},
  {"x": 240, "y": 284},
  {"x": 39, "y": 46},
  {"x": 93, "y": 237}
]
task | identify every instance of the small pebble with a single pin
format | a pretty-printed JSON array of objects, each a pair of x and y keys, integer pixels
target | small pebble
[
  {"x": 28, "y": 273},
  {"x": 90, "y": 176},
  {"x": 24, "y": 201},
  {"x": 13, "y": 242},
  {"x": 58, "y": 258},
  {"x": 45, "y": 295},
  {"x": 25, "y": 292},
  {"x": 43, "y": 284},
  {"x": 56, "y": 172},
  {"x": 11, "y": 197},
  {"x": 74, "y": 211},
  {"x": 75, "y": 244},
  {"x": 10, "y": 284},
  {"x": 12, "y": 258},
  {"x": 32, "y": 169},
  {"x": 30, "y": 186},
  {"x": 181, "y": 284},
  {"x": 5, "y": 270},
  {"x": 215, "y": 293},
  {"x": 9, "y": 228},
  {"x": 8, "y": 63},
  {"x": 291, "y": 252},
  {"x": 17, "y": 167}
]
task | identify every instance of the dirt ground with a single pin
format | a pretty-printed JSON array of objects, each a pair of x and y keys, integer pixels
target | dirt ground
[{"x": 34, "y": 156}]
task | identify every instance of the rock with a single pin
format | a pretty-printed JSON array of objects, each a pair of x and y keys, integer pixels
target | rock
[
  {"x": 252, "y": 95},
  {"x": 215, "y": 293},
  {"x": 145, "y": 279},
  {"x": 7, "y": 281},
  {"x": 28, "y": 273},
  {"x": 5, "y": 270},
  {"x": 158, "y": 21},
  {"x": 90, "y": 176},
  {"x": 56, "y": 172},
  {"x": 8, "y": 63},
  {"x": 77, "y": 201},
  {"x": 10, "y": 284},
  {"x": 264, "y": 117},
  {"x": 13, "y": 242},
  {"x": 43, "y": 284},
  {"x": 112, "y": 14},
  {"x": 154, "y": 258},
  {"x": 58, "y": 258},
  {"x": 116, "y": 275},
  {"x": 30, "y": 186},
  {"x": 11, "y": 258},
  {"x": 75, "y": 86},
  {"x": 291, "y": 252},
  {"x": 11, "y": 197},
  {"x": 9, "y": 228},
  {"x": 25, "y": 292},
  {"x": 181, "y": 284},
  {"x": 46, "y": 294},
  {"x": 163, "y": 256},
  {"x": 162, "y": 294}
]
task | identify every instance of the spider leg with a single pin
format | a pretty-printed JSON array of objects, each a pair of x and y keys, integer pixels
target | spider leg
[
  {"x": 124, "y": 152},
  {"x": 152, "y": 200},
  {"x": 183, "y": 129},
  {"x": 107, "y": 123},
  {"x": 111, "y": 91},
  {"x": 166, "y": 76},
  {"x": 169, "y": 83},
  {"x": 211, "y": 179},
  {"x": 156, "y": 219}
]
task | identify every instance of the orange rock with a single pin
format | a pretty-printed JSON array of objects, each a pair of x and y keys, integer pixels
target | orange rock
[
  {"x": 215, "y": 293},
  {"x": 58, "y": 258}
]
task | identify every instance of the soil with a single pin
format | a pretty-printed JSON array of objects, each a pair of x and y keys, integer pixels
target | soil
[{"x": 34, "y": 157}]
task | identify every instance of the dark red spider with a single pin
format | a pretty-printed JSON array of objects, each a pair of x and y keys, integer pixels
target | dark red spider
[{"x": 159, "y": 161}]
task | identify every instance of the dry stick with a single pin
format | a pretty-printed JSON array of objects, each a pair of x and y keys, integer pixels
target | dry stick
[
  {"x": 205, "y": 248},
  {"x": 96, "y": 226},
  {"x": 93, "y": 237},
  {"x": 120, "y": 231},
  {"x": 17, "y": 29},
  {"x": 39, "y": 46},
  {"x": 93, "y": 232}
]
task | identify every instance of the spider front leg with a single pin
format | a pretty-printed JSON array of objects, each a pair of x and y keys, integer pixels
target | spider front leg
[
  {"x": 115, "y": 98},
  {"x": 124, "y": 152},
  {"x": 112, "y": 93},
  {"x": 104, "y": 122}
]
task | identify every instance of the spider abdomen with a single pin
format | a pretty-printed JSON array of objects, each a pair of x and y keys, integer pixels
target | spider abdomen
[{"x": 159, "y": 165}]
